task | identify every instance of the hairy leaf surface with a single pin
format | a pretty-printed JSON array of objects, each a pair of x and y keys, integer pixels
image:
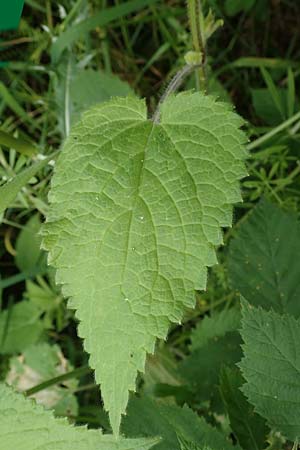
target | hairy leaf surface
[
  {"x": 136, "y": 211},
  {"x": 271, "y": 367},
  {"x": 262, "y": 265},
  {"x": 27, "y": 426}
]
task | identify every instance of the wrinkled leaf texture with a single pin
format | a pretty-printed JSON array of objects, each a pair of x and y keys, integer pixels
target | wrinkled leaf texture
[{"x": 136, "y": 210}]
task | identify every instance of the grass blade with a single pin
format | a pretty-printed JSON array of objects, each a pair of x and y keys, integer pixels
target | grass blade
[
  {"x": 100, "y": 19},
  {"x": 19, "y": 144},
  {"x": 9, "y": 191}
]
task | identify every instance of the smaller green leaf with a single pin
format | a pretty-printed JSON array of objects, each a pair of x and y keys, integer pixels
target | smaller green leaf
[
  {"x": 146, "y": 417},
  {"x": 271, "y": 367},
  {"x": 27, "y": 426},
  {"x": 273, "y": 91},
  {"x": 249, "y": 428},
  {"x": 90, "y": 87},
  {"x": 186, "y": 445},
  {"x": 19, "y": 144},
  {"x": 201, "y": 369},
  {"x": 264, "y": 106},
  {"x": 215, "y": 326},
  {"x": 28, "y": 244},
  {"x": 233, "y": 7},
  {"x": 20, "y": 327},
  {"x": 262, "y": 266},
  {"x": 76, "y": 90},
  {"x": 9, "y": 191}
]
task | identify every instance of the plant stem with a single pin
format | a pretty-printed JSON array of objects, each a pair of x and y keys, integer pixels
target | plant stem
[
  {"x": 66, "y": 376},
  {"x": 261, "y": 140},
  {"x": 173, "y": 86},
  {"x": 196, "y": 25}
]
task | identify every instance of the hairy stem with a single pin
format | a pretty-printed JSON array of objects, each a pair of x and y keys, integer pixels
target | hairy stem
[
  {"x": 197, "y": 30},
  {"x": 173, "y": 86}
]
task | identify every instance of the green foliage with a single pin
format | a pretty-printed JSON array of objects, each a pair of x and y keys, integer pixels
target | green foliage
[
  {"x": 271, "y": 367},
  {"x": 9, "y": 190},
  {"x": 215, "y": 326},
  {"x": 262, "y": 266},
  {"x": 76, "y": 90},
  {"x": 19, "y": 327},
  {"x": 89, "y": 87},
  {"x": 201, "y": 369},
  {"x": 186, "y": 445},
  {"x": 48, "y": 299},
  {"x": 234, "y": 7},
  {"x": 41, "y": 362},
  {"x": 102, "y": 18},
  {"x": 19, "y": 144},
  {"x": 146, "y": 417},
  {"x": 265, "y": 107},
  {"x": 66, "y": 57},
  {"x": 29, "y": 255},
  {"x": 28, "y": 426},
  {"x": 134, "y": 241},
  {"x": 249, "y": 428}
]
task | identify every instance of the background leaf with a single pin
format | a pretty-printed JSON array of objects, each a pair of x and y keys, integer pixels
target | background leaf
[
  {"x": 262, "y": 266},
  {"x": 271, "y": 367},
  {"x": 19, "y": 327},
  {"x": 249, "y": 428},
  {"x": 217, "y": 325},
  {"x": 201, "y": 369},
  {"x": 90, "y": 87},
  {"x": 29, "y": 254},
  {"x": 146, "y": 417}
]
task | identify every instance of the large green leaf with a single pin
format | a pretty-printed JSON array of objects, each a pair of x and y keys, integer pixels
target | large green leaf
[
  {"x": 262, "y": 265},
  {"x": 27, "y": 426},
  {"x": 146, "y": 417},
  {"x": 271, "y": 367},
  {"x": 136, "y": 209},
  {"x": 249, "y": 428}
]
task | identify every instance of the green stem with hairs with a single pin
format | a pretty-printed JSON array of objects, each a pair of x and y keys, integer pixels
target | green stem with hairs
[{"x": 197, "y": 30}]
